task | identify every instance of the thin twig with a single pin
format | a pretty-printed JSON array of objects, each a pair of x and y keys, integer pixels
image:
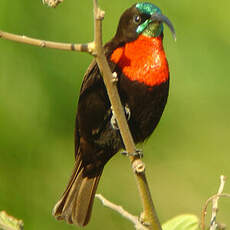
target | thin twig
[
  {"x": 215, "y": 203},
  {"x": 213, "y": 198},
  {"x": 88, "y": 47},
  {"x": 117, "y": 208},
  {"x": 204, "y": 210},
  {"x": 149, "y": 212}
]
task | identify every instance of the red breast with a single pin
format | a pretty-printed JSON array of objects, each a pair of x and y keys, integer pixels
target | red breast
[{"x": 143, "y": 60}]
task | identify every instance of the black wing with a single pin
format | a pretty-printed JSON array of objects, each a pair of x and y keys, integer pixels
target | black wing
[{"x": 93, "y": 110}]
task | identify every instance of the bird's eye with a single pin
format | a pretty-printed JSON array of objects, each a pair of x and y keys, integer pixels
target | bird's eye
[{"x": 137, "y": 19}]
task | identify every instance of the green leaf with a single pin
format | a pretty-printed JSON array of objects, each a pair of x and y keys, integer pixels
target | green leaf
[
  {"x": 9, "y": 223},
  {"x": 182, "y": 222}
]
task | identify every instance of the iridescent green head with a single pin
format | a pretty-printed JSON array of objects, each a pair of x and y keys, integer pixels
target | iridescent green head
[
  {"x": 142, "y": 18},
  {"x": 148, "y": 8},
  {"x": 147, "y": 27}
]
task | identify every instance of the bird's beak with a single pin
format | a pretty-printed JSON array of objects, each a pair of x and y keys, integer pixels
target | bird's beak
[{"x": 163, "y": 19}]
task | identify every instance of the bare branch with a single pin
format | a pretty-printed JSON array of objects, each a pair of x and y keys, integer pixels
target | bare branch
[
  {"x": 117, "y": 208},
  {"x": 215, "y": 203},
  {"x": 149, "y": 212},
  {"x": 88, "y": 47},
  {"x": 214, "y": 200}
]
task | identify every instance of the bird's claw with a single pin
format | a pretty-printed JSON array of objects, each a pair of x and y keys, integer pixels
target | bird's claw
[
  {"x": 138, "y": 153},
  {"x": 113, "y": 120},
  {"x": 127, "y": 112}
]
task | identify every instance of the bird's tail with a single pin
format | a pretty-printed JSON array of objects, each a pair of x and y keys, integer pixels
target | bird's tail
[{"x": 76, "y": 203}]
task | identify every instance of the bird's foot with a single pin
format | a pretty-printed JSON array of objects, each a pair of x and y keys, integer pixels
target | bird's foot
[
  {"x": 138, "y": 153},
  {"x": 113, "y": 120},
  {"x": 127, "y": 112}
]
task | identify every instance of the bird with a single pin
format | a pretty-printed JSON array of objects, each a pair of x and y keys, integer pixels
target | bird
[{"x": 137, "y": 57}]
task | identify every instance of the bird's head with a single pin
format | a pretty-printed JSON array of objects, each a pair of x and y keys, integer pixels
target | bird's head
[{"x": 142, "y": 18}]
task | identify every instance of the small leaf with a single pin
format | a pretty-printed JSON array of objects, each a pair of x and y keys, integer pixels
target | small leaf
[
  {"x": 182, "y": 222},
  {"x": 9, "y": 222}
]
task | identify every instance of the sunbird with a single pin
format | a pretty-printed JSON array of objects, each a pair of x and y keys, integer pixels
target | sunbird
[{"x": 137, "y": 56}]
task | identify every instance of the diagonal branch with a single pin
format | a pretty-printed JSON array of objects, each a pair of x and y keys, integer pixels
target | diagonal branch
[
  {"x": 117, "y": 208},
  {"x": 149, "y": 213}
]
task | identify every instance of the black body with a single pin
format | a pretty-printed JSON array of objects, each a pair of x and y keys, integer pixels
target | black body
[{"x": 96, "y": 140}]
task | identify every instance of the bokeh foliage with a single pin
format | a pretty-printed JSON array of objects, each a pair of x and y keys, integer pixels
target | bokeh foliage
[{"x": 38, "y": 96}]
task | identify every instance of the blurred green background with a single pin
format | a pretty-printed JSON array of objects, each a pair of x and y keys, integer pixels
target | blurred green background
[{"x": 38, "y": 95}]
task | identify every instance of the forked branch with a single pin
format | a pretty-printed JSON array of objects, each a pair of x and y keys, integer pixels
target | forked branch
[{"x": 214, "y": 199}]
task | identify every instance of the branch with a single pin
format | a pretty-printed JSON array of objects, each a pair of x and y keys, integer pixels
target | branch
[
  {"x": 117, "y": 208},
  {"x": 88, "y": 47},
  {"x": 149, "y": 213},
  {"x": 214, "y": 199},
  {"x": 215, "y": 203}
]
